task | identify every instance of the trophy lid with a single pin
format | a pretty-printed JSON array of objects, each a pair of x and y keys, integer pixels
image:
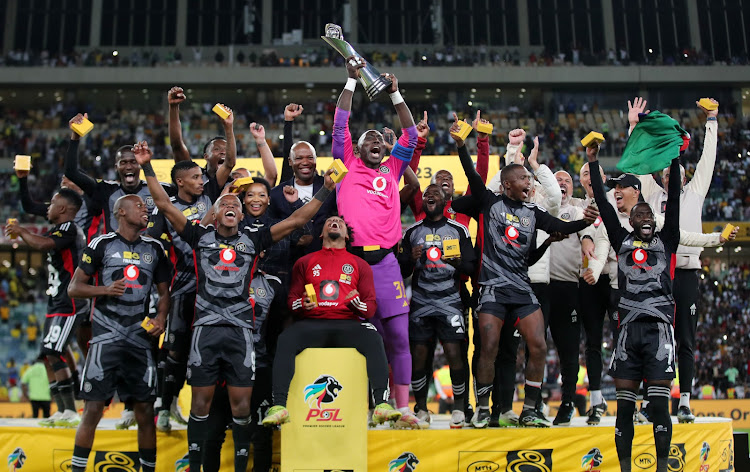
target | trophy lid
[{"x": 334, "y": 31}]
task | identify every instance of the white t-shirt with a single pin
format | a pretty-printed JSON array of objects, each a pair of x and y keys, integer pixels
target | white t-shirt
[{"x": 305, "y": 192}]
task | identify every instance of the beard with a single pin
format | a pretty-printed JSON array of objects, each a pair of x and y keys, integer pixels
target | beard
[
  {"x": 436, "y": 212},
  {"x": 334, "y": 236}
]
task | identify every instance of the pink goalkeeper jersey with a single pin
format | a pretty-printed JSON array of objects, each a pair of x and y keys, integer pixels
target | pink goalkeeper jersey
[{"x": 367, "y": 198}]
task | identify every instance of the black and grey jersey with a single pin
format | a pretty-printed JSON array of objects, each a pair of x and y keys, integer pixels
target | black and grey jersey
[
  {"x": 509, "y": 230},
  {"x": 142, "y": 263},
  {"x": 436, "y": 284},
  {"x": 180, "y": 252},
  {"x": 263, "y": 289},
  {"x": 225, "y": 268},
  {"x": 61, "y": 262},
  {"x": 108, "y": 192}
]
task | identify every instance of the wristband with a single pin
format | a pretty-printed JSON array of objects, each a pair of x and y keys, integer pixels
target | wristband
[
  {"x": 148, "y": 171},
  {"x": 351, "y": 84},
  {"x": 711, "y": 118},
  {"x": 396, "y": 98},
  {"x": 322, "y": 194}
]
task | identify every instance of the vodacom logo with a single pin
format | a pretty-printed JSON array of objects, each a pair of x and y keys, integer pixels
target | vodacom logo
[
  {"x": 379, "y": 183},
  {"x": 227, "y": 255},
  {"x": 639, "y": 256},
  {"x": 434, "y": 254},
  {"x": 131, "y": 272}
]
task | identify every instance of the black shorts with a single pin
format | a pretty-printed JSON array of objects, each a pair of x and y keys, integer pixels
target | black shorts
[
  {"x": 504, "y": 302},
  {"x": 445, "y": 328},
  {"x": 221, "y": 352},
  {"x": 179, "y": 323},
  {"x": 644, "y": 350},
  {"x": 128, "y": 370},
  {"x": 57, "y": 333}
]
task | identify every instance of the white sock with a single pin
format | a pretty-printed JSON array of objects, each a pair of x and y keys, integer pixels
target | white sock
[
  {"x": 596, "y": 397},
  {"x": 685, "y": 399}
]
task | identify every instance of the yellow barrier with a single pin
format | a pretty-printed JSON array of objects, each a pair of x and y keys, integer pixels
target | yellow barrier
[
  {"x": 328, "y": 413},
  {"x": 428, "y": 167}
]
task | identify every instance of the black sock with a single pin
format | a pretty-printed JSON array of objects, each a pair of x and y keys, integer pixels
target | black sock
[
  {"x": 262, "y": 448},
  {"x": 65, "y": 387},
  {"x": 170, "y": 389},
  {"x": 54, "y": 392},
  {"x": 420, "y": 387},
  {"x": 459, "y": 388},
  {"x": 624, "y": 429},
  {"x": 241, "y": 434},
  {"x": 162, "y": 361},
  {"x": 532, "y": 396},
  {"x": 483, "y": 394},
  {"x": 148, "y": 459},
  {"x": 80, "y": 458},
  {"x": 196, "y": 434},
  {"x": 659, "y": 408},
  {"x": 76, "y": 378}
]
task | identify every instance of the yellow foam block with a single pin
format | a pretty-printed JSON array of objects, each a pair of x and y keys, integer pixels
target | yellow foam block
[
  {"x": 310, "y": 290},
  {"x": 241, "y": 184},
  {"x": 463, "y": 131},
  {"x": 221, "y": 111},
  {"x": 451, "y": 249},
  {"x": 22, "y": 162},
  {"x": 708, "y": 104},
  {"x": 727, "y": 230},
  {"x": 592, "y": 139},
  {"x": 146, "y": 323},
  {"x": 485, "y": 128},
  {"x": 83, "y": 128},
  {"x": 12, "y": 221},
  {"x": 339, "y": 170}
]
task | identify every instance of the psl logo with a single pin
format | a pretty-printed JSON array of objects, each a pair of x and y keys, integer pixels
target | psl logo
[
  {"x": 16, "y": 459},
  {"x": 705, "y": 449},
  {"x": 182, "y": 464},
  {"x": 591, "y": 460},
  {"x": 406, "y": 462},
  {"x": 530, "y": 460},
  {"x": 325, "y": 389}
]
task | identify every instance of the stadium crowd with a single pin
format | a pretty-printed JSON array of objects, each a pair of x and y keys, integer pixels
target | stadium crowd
[{"x": 234, "y": 260}]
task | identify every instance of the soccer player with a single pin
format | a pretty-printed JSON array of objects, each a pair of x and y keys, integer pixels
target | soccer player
[
  {"x": 192, "y": 201},
  {"x": 126, "y": 264},
  {"x": 345, "y": 292},
  {"x": 369, "y": 200},
  {"x": 63, "y": 244},
  {"x": 219, "y": 152},
  {"x": 222, "y": 344},
  {"x": 509, "y": 226},
  {"x": 436, "y": 309},
  {"x": 299, "y": 172}
]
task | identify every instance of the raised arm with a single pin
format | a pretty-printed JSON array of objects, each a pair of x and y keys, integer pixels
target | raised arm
[
  {"x": 175, "y": 96},
  {"x": 291, "y": 111},
  {"x": 704, "y": 171},
  {"x": 302, "y": 215},
  {"x": 671, "y": 230},
  {"x": 552, "y": 192},
  {"x": 409, "y": 193},
  {"x": 143, "y": 155},
  {"x": 29, "y": 206},
  {"x": 225, "y": 169},
  {"x": 607, "y": 212},
  {"x": 476, "y": 184},
  {"x": 40, "y": 243},
  {"x": 423, "y": 130},
  {"x": 341, "y": 147},
  {"x": 86, "y": 183},
  {"x": 483, "y": 150},
  {"x": 266, "y": 156}
]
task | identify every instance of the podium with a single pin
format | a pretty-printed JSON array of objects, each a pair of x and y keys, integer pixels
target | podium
[{"x": 327, "y": 406}]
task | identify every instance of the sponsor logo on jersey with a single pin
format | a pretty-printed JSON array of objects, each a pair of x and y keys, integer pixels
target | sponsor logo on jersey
[
  {"x": 347, "y": 269},
  {"x": 378, "y": 184},
  {"x": 384, "y": 169}
]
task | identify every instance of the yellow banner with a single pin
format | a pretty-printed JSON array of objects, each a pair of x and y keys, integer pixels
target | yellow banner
[
  {"x": 717, "y": 226},
  {"x": 592, "y": 449},
  {"x": 428, "y": 167},
  {"x": 327, "y": 410}
]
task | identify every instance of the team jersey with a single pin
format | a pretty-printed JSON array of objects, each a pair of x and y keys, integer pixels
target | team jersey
[
  {"x": 61, "y": 260},
  {"x": 276, "y": 260},
  {"x": 225, "y": 268},
  {"x": 180, "y": 252},
  {"x": 435, "y": 284},
  {"x": 263, "y": 289},
  {"x": 109, "y": 191},
  {"x": 334, "y": 274},
  {"x": 142, "y": 263},
  {"x": 368, "y": 199}
]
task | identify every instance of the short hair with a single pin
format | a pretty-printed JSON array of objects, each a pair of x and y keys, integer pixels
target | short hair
[
  {"x": 642, "y": 202},
  {"x": 72, "y": 197},
  {"x": 293, "y": 153},
  {"x": 122, "y": 150},
  {"x": 210, "y": 144},
  {"x": 218, "y": 200},
  {"x": 433, "y": 180},
  {"x": 180, "y": 167},
  {"x": 261, "y": 180},
  {"x": 508, "y": 169},
  {"x": 118, "y": 203}
]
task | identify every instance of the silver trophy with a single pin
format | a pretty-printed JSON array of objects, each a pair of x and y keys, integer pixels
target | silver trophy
[{"x": 370, "y": 78}]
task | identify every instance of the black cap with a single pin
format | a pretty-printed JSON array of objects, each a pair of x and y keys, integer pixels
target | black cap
[{"x": 625, "y": 180}]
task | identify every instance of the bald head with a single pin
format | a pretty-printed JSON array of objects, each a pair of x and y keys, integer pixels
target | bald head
[{"x": 565, "y": 181}]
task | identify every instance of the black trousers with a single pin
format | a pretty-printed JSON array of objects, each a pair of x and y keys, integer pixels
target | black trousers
[
  {"x": 685, "y": 289},
  {"x": 596, "y": 302},
  {"x": 566, "y": 332},
  {"x": 329, "y": 333}
]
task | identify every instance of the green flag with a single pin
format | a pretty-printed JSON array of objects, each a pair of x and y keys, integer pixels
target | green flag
[{"x": 654, "y": 142}]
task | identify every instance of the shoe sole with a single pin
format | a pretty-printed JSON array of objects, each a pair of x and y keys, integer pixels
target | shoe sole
[
  {"x": 593, "y": 422},
  {"x": 567, "y": 423},
  {"x": 683, "y": 421},
  {"x": 480, "y": 425}
]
